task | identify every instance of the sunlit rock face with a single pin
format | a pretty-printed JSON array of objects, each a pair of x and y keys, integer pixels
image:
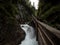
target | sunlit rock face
[{"x": 30, "y": 38}]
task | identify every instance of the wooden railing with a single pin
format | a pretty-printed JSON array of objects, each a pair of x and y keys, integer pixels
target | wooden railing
[{"x": 46, "y": 34}]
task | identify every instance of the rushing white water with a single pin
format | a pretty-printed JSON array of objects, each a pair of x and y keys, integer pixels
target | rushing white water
[{"x": 30, "y": 38}]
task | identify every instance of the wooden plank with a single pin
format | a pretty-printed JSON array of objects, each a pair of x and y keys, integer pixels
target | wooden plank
[{"x": 51, "y": 29}]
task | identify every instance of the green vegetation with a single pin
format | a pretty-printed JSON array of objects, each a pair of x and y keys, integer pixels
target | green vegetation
[
  {"x": 49, "y": 12},
  {"x": 15, "y": 12}
]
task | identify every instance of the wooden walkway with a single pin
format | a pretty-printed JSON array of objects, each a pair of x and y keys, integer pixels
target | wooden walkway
[{"x": 46, "y": 35}]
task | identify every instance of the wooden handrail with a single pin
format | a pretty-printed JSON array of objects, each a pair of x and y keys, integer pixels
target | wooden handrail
[
  {"x": 45, "y": 43},
  {"x": 46, "y": 33},
  {"x": 49, "y": 28}
]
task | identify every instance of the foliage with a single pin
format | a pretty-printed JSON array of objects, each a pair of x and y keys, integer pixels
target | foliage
[
  {"x": 10, "y": 31},
  {"x": 49, "y": 12}
]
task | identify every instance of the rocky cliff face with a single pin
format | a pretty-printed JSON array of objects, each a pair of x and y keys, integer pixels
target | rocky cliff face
[
  {"x": 12, "y": 13},
  {"x": 10, "y": 31}
]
